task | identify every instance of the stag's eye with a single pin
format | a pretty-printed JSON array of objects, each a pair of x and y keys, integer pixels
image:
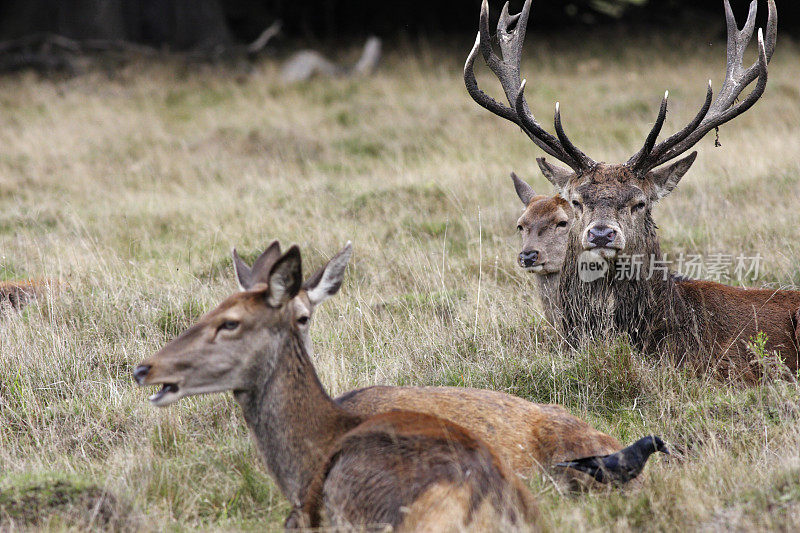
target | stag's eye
[
  {"x": 577, "y": 205},
  {"x": 638, "y": 207},
  {"x": 303, "y": 320},
  {"x": 229, "y": 325},
  {"x": 519, "y": 227},
  {"x": 562, "y": 224}
]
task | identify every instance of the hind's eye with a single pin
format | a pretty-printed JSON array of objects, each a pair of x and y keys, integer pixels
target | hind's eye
[
  {"x": 519, "y": 227},
  {"x": 562, "y": 224},
  {"x": 638, "y": 207},
  {"x": 302, "y": 320},
  {"x": 577, "y": 205},
  {"x": 230, "y": 325}
]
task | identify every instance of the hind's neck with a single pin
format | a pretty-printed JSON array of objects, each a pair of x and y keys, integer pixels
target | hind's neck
[
  {"x": 547, "y": 292},
  {"x": 293, "y": 420}
]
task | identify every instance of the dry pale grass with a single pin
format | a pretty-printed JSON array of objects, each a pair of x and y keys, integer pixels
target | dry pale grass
[{"x": 131, "y": 191}]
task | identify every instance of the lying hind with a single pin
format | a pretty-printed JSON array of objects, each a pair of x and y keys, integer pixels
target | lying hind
[{"x": 410, "y": 471}]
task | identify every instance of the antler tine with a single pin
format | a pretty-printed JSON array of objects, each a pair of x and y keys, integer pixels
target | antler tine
[
  {"x": 724, "y": 108},
  {"x": 507, "y": 71},
  {"x": 483, "y": 99},
  {"x": 769, "y": 45},
  {"x": 511, "y": 40},
  {"x": 584, "y": 162},
  {"x": 486, "y": 39},
  {"x": 685, "y": 132},
  {"x": 506, "y": 68},
  {"x": 652, "y": 136},
  {"x": 713, "y": 121},
  {"x": 551, "y": 144},
  {"x": 492, "y": 105}
]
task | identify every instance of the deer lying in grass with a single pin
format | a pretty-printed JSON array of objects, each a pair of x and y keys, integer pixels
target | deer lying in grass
[
  {"x": 408, "y": 470},
  {"x": 528, "y": 437},
  {"x": 18, "y": 294},
  {"x": 702, "y": 323}
]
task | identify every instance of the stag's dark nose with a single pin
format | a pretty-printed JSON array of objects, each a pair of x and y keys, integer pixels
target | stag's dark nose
[
  {"x": 140, "y": 372},
  {"x": 602, "y": 236},
  {"x": 528, "y": 258}
]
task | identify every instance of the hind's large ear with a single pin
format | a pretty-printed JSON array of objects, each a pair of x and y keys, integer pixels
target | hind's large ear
[
  {"x": 243, "y": 272},
  {"x": 328, "y": 279},
  {"x": 558, "y": 176},
  {"x": 524, "y": 191},
  {"x": 285, "y": 278},
  {"x": 263, "y": 265}
]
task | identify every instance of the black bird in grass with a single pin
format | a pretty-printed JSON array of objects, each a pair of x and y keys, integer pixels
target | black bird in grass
[{"x": 622, "y": 466}]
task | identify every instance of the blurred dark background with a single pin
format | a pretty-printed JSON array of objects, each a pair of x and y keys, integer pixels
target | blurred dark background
[{"x": 192, "y": 24}]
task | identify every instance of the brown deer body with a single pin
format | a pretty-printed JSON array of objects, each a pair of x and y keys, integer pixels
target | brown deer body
[
  {"x": 408, "y": 470},
  {"x": 705, "y": 324},
  {"x": 528, "y": 437},
  {"x": 20, "y": 293}
]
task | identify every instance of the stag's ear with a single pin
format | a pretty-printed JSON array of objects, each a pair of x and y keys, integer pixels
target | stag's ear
[
  {"x": 558, "y": 176},
  {"x": 524, "y": 191},
  {"x": 328, "y": 279},
  {"x": 285, "y": 278},
  {"x": 666, "y": 179},
  {"x": 243, "y": 273}
]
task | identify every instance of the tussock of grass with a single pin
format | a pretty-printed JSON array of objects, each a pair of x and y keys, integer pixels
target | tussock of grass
[
  {"x": 59, "y": 503},
  {"x": 131, "y": 191}
]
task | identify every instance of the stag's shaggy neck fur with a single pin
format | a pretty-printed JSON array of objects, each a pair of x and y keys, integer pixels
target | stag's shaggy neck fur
[
  {"x": 293, "y": 420},
  {"x": 651, "y": 311}
]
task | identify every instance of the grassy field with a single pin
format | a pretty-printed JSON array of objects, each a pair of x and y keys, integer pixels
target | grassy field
[{"x": 130, "y": 190}]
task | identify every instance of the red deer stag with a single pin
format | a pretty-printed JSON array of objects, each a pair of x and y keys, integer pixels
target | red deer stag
[
  {"x": 528, "y": 437},
  {"x": 705, "y": 324},
  {"x": 408, "y": 470}
]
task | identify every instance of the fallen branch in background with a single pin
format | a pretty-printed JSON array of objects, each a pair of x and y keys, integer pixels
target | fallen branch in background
[
  {"x": 266, "y": 36},
  {"x": 306, "y": 64},
  {"x": 48, "y": 53}
]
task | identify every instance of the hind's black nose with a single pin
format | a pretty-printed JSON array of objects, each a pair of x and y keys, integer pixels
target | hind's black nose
[
  {"x": 140, "y": 372},
  {"x": 528, "y": 258}
]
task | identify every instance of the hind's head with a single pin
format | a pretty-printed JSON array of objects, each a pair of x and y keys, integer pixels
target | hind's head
[
  {"x": 240, "y": 341},
  {"x": 544, "y": 228}
]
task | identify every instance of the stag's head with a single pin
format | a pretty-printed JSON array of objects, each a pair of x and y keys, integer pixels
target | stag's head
[
  {"x": 612, "y": 202},
  {"x": 544, "y": 228},
  {"x": 239, "y": 341}
]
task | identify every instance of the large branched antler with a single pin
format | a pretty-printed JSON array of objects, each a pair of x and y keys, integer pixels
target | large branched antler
[
  {"x": 713, "y": 115},
  {"x": 511, "y": 35}
]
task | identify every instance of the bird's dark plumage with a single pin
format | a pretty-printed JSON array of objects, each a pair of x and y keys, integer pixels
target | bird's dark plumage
[{"x": 619, "y": 467}]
